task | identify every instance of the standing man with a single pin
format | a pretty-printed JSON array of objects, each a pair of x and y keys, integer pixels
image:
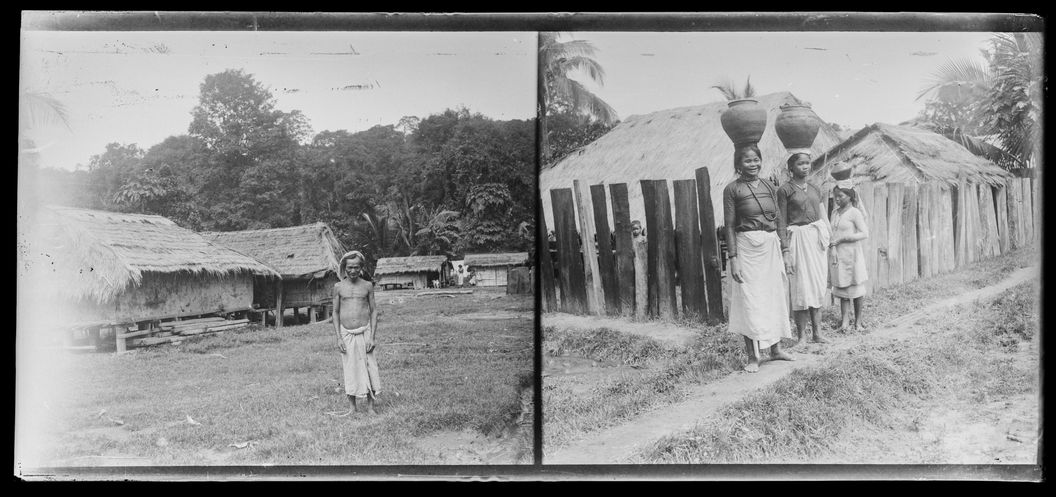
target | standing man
[
  {"x": 800, "y": 205},
  {"x": 356, "y": 326}
]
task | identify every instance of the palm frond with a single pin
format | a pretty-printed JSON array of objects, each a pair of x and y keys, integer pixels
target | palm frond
[
  {"x": 40, "y": 109},
  {"x": 586, "y": 65},
  {"x": 958, "y": 79}
]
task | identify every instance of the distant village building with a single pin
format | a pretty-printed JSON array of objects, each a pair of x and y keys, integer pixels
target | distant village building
[
  {"x": 409, "y": 272},
  {"x": 105, "y": 272},
  {"x": 306, "y": 256},
  {"x": 491, "y": 269}
]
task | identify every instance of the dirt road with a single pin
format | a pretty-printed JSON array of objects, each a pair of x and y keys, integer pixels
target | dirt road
[{"x": 621, "y": 444}]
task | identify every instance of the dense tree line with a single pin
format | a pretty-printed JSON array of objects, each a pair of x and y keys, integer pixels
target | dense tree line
[{"x": 448, "y": 183}]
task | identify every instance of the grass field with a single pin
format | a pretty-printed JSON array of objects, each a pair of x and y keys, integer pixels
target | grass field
[
  {"x": 629, "y": 374},
  {"x": 979, "y": 358},
  {"x": 460, "y": 363}
]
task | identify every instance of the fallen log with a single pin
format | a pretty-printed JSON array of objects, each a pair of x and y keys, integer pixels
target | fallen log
[
  {"x": 192, "y": 321},
  {"x": 136, "y": 333},
  {"x": 141, "y": 342},
  {"x": 199, "y": 326},
  {"x": 444, "y": 292}
]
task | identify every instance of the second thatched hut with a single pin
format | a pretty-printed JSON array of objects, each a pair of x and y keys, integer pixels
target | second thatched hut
[{"x": 306, "y": 256}]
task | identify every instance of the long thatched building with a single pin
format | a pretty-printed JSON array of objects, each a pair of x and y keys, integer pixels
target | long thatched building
[
  {"x": 409, "y": 272},
  {"x": 96, "y": 269},
  {"x": 491, "y": 269},
  {"x": 671, "y": 144},
  {"x": 306, "y": 256},
  {"x": 908, "y": 155}
]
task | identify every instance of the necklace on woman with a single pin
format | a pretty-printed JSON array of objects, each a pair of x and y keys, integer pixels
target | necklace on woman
[{"x": 769, "y": 217}]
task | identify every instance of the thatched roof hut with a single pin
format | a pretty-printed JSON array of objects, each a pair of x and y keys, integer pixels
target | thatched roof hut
[
  {"x": 116, "y": 267},
  {"x": 307, "y": 257},
  {"x": 308, "y": 251},
  {"x": 492, "y": 269},
  {"x": 415, "y": 271},
  {"x": 908, "y": 155},
  {"x": 671, "y": 144},
  {"x": 99, "y": 254},
  {"x": 498, "y": 259},
  {"x": 412, "y": 264}
]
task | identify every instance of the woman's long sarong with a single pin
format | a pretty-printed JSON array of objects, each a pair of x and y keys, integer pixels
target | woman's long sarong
[
  {"x": 808, "y": 246},
  {"x": 759, "y": 305}
]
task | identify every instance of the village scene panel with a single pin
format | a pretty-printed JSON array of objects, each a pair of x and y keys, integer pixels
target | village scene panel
[
  {"x": 284, "y": 248},
  {"x": 663, "y": 248}
]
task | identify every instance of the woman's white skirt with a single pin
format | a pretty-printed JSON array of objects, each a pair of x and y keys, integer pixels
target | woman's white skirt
[
  {"x": 809, "y": 248},
  {"x": 759, "y": 305}
]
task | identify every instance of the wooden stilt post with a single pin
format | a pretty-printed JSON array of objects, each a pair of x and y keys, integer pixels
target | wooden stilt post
[
  {"x": 311, "y": 314},
  {"x": 279, "y": 310},
  {"x": 119, "y": 343}
]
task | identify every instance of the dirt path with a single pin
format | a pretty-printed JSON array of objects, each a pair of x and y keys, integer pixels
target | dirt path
[{"x": 620, "y": 444}]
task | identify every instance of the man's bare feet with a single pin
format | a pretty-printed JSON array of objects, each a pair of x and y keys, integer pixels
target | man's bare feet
[
  {"x": 752, "y": 367},
  {"x": 819, "y": 339}
]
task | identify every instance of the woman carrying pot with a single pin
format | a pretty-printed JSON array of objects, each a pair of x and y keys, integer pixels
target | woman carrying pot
[
  {"x": 847, "y": 274},
  {"x": 758, "y": 259},
  {"x": 800, "y": 205}
]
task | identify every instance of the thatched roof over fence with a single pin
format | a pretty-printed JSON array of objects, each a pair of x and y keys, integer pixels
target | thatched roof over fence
[
  {"x": 308, "y": 251},
  {"x": 671, "y": 144},
  {"x": 908, "y": 155},
  {"x": 413, "y": 264},
  {"x": 96, "y": 255},
  {"x": 500, "y": 259}
]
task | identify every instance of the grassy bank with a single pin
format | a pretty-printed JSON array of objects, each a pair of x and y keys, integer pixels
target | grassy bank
[
  {"x": 661, "y": 373},
  {"x": 262, "y": 396},
  {"x": 970, "y": 353}
]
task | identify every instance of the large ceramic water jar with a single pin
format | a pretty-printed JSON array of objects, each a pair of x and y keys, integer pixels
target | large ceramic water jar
[
  {"x": 744, "y": 121},
  {"x": 797, "y": 126}
]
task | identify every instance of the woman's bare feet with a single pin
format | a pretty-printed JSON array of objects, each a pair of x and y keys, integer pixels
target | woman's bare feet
[
  {"x": 752, "y": 367},
  {"x": 817, "y": 338},
  {"x": 780, "y": 355}
]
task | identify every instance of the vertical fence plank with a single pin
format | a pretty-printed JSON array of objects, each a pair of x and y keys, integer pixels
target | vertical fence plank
[
  {"x": 895, "y": 207},
  {"x": 947, "y": 255},
  {"x": 879, "y": 232},
  {"x": 1028, "y": 210},
  {"x": 988, "y": 221},
  {"x": 546, "y": 267},
  {"x": 595, "y": 293},
  {"x": 709, "y": 244},
  {"x": 1001, "y": 204},
  {"x": 866, "y": 199},
  {"x": 1014, "y": 240},
  {"x": 977, "y": 230},
  {"x": 570, "y": 260},
  {"x": 606, "y": 261},
  {"x": 925, "y": 236},
  {"x": 662, "y": 302},
  {"x": 621, "y": 218},
  {"x": 910, "y": 252},
  {"x": 687, "y": 245},
  {"x": 1035, "y": 198},
  {"x": 960, "y": 225}
]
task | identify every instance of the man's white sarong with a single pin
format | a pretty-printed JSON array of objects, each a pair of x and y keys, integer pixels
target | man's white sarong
[
  {"x": 759, "y": 305},
  {"x": 809, "y": 248},
  {"x": 360, "y": 367}
]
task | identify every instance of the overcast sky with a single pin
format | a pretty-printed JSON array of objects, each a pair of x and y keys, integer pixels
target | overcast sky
[
  {"x": 851, "y": 78},
  {"x": 140, "y": 87}
]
